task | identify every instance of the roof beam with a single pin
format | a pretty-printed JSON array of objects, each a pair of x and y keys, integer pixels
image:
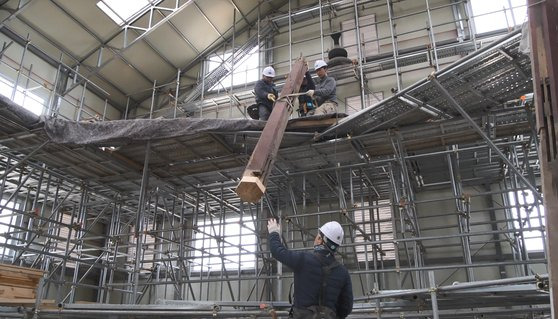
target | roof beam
[
  {"x": 55, "y": 63},
  {"x": 209, "y": 21},
  {"x": 94, "y": 35},
  {"x": 238, "y": 9},
  {"x": 146, "y": 32},
  {"x": 20, "y": 7},
  {"x": 217, "y": 43}
]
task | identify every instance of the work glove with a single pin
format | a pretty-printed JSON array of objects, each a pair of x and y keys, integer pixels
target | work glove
[
  {"x": 271, "y": 97},
  {"x": 310, "y": 93},
  {"x": 273, "y": 226}
]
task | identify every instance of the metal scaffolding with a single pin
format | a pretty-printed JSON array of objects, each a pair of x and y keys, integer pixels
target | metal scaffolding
[
  {"x": 98, "y": 219},
  {"x": 155, "y": 228},
  {"x": 202, "y": 99}
]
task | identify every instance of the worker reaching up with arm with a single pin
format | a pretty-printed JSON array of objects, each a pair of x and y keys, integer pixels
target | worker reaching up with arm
[
  {"x": 266, "y": 93},
  {"x": 325, "y": 92},
  {"x": 322, "y": 286}
]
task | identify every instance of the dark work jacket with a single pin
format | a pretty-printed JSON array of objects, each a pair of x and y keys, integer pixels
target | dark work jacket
[
  {"x": 325, "y": 90},
  {"x": 262, "y": 89},
  {"x": 308, "y": 276},
  {"x": 303, "y": 99}
]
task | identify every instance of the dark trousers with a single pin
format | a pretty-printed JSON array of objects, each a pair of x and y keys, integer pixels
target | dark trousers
[{"x": 265, "y": 112}]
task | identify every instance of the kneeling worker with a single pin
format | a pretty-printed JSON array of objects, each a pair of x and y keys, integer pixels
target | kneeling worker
[
  {"x": 266, "y": 93},
  {"x": 322, "y": 286},
  {"x": 325, "y": 92}
]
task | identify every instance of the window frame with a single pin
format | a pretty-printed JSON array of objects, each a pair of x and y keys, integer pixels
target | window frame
[
  {"x": 28, "y": 100},
  {"x": 244, "y": 238},
  {"x": 7, "y": 213},
  {"x": 383, "y": 230},
  {"x": 147, "y": 264},
  {"x": 534, "y": 240},
  {"x": 64, "y": 232},
  {"x": 482, "y": 15},
  {"x": 218, "y": 58}
]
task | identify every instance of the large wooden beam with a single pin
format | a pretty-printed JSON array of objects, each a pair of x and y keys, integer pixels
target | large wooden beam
[
  {"x": 543, "y": 23},
  {"x": 253, "y": 183}
]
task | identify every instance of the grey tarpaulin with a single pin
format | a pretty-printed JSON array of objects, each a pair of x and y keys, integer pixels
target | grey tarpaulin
[{"x": 122, "y": 132}]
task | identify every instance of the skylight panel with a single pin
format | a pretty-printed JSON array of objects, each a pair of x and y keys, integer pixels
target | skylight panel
[{"x": 121, "y": 11}]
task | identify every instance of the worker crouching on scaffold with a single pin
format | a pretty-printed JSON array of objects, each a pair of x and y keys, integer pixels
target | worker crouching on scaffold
[
  {"x": 324, "y": 92},
  {"x": 305, "y": 103}
]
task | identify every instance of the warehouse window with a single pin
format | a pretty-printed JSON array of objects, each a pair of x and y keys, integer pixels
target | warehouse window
[
  {"x": 23, "y": 97},
  {"x": 246, "y": 69},
  {"x": 496, "y": 14},
  {"x": 531, "y": 215},
  {"x": 7, "y": 218},
  {"x": 237, "y": 247},
  {"x": 122, "y": 10},
  {"x": 368, "y": 36},
  {"x": 376, "y": 222},
  {"x": 353, "y": 103}
]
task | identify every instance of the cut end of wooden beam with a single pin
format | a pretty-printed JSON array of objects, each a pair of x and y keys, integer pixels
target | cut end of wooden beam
[{"x": 250, "y": 189}]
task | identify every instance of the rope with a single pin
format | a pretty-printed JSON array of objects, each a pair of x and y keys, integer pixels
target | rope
[
  {"x": 289, "y": 95},
  {"x": 289, "y": 102}
]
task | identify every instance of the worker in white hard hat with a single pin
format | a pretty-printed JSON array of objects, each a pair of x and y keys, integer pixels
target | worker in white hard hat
[
  {"x": 266, "y": 93},
  {"x": 322, "y": 286},
  {"x": 325, "y": 92}
]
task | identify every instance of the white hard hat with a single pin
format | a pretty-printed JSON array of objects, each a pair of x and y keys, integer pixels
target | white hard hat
[
  {"x": 333, "y": 231},
  {"x": 269, "y": 72},
  {"x": 319, "y": 64}
]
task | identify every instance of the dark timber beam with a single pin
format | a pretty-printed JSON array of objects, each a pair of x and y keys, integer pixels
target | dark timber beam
[
  {"x": 543, "y": 22},
  {"x": 253, "y": 183}
]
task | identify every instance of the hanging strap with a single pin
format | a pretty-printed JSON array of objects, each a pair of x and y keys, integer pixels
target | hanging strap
[
  {"x": 319, "y": 310},
  {"x": 326, "y": 271},
  {"x": 291, "y": 299}
]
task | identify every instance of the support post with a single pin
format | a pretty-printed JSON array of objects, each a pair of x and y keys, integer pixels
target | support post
[
  {"x": 462, "y": 218},
  {"x": 80, "y": 109},
  {"x": 127, "y": 106},
  {"x": 394, "y": 43},
  {"x": 139, "y": 221},
  {"x": 360, "y": 57},
  {"x": 433, "y": 296},
  {"x": 20, "y": 67},
  {"x": 176, "y": 93},
  {"x": 105, "y": 110},
  {"x": 52, "y": 94},
  {"x": 432, "y": 36},
  {"x": 152, "y": 99}
]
